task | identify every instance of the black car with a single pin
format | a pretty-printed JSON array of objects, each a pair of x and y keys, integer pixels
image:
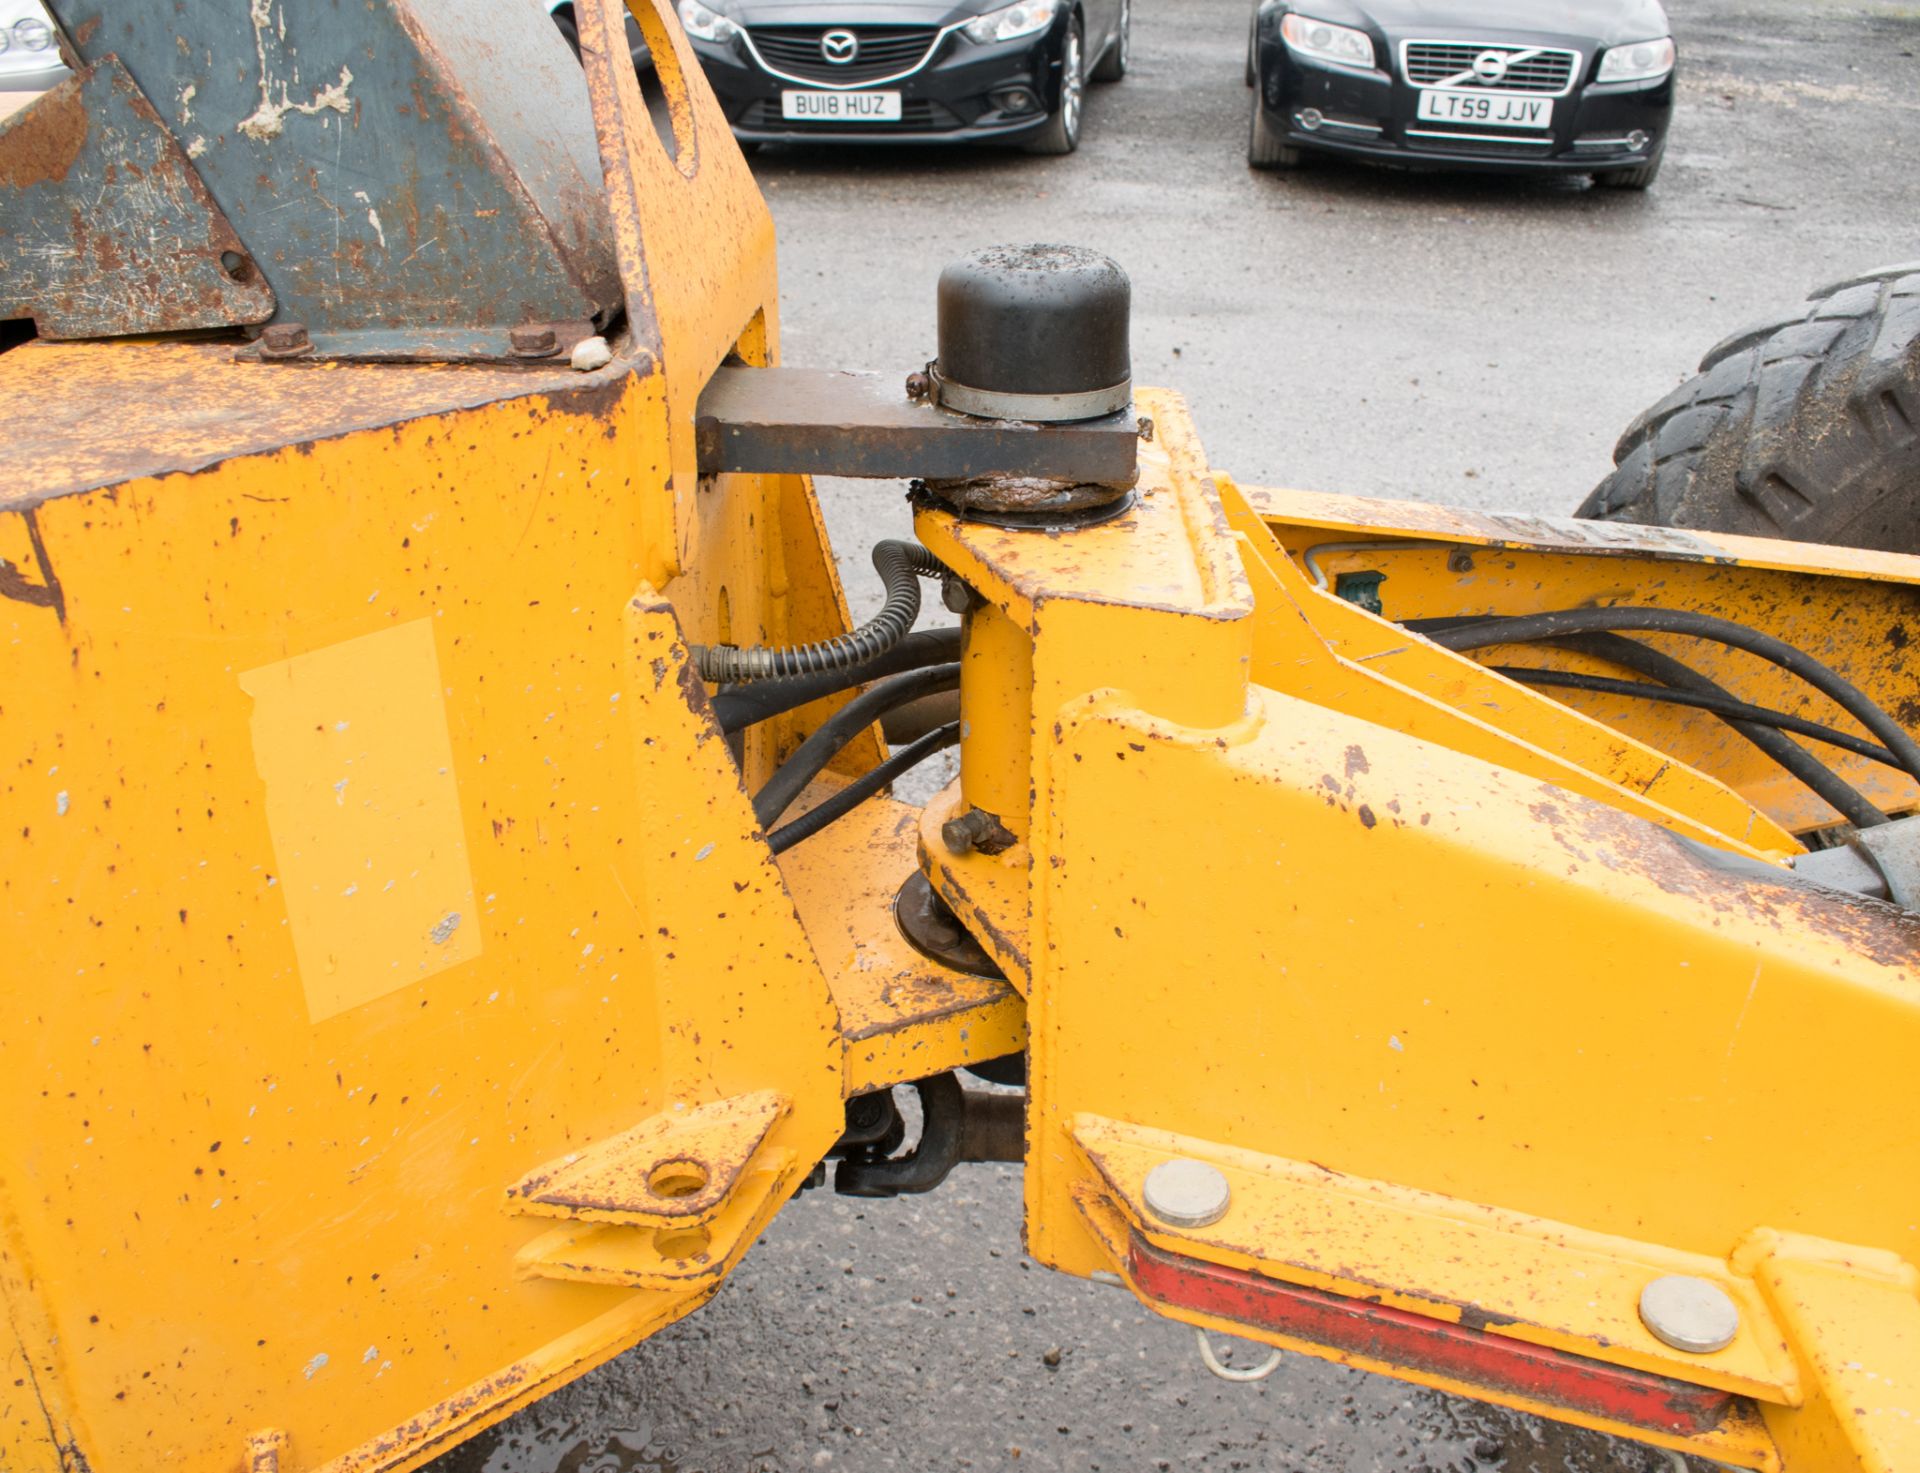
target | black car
[
  {"x": 1581, "y": 86},
  {"x": 922, "y": 71}
]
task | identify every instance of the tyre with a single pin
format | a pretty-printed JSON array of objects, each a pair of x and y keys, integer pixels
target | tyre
[
  {"x": 1265, "y": 148},
  {"x": 1113, "y": 66},
  {"x": 1253, "y": 74},
  {"x": 1062, "y": 131},
  {"x": 1640, "y": 178},
  {"x": 1805, "y": 426}
]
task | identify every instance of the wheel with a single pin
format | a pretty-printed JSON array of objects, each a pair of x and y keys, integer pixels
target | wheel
[
  {"x": 1805, "y": 426},
  {"x": 1253, "y": 30},
  {"x": 1062, "y": 131},
  {"x": 569, "y": 28},
  {"x": 1264, "y": 147},
  {"x": 1113, "y": 66},
  {"x": 1637, "y": 178}
]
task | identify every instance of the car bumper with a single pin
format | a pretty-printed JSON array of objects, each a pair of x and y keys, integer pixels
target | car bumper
[
  {"x": 35, "y": 77},
  {"x": 962, "y": 94},
  {"x": 1373, "y": 115}
]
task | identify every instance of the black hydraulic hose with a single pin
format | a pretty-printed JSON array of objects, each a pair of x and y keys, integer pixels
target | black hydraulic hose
[
  {"x": 1789, "y": 755},
  {"x": 1720, "y": 706},
  {"x": 1529, "y": 628},
  {"x": 864, "y": 787},
  {"x": 812, "y": 755},
  {"x": 901, "y": 566},
  {"x": 738, "y": 709}
]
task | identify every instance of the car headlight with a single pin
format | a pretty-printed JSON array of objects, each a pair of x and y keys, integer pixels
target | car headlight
[
  {"x": 1012, "y": 21},
  {"x": 32, "y": 34},
  {"x": 704, "y": 23},
  {"x": 1324, "y": 41},
  {"x": 1641, "y": 61}
]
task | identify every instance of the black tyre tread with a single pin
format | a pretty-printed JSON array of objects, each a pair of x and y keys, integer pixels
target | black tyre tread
[
  {"x": 1805, "y": 425},
  {"x": 1266, "y": 148}
]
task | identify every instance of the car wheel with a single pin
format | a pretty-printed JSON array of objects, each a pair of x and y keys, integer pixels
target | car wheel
[
  {"x": 1253, "y": 31},
  {"x": 1640, "y": 178},
  {"x": 1113, "y": 66},
  {"x": 1265, "y": 146},
  {"x": 1062, "y": 132},
  {"x": 1805, "y": 426}
]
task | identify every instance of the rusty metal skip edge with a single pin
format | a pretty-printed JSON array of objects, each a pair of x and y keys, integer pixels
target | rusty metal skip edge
[{"x": 405, "y": 1012}]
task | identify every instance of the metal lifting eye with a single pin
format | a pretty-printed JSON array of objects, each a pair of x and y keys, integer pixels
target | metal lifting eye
[{"x": 1228, "y": 1373}]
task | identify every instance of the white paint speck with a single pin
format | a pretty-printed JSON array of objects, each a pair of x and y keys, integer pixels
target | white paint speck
[
  {"x": 1394, "y": 1044},
  {"x": 315, "y": 1365},
  {"x": 705, "y": 850},
  {"x": 372, "y": 1354},
  {"x": 61, "y": 803},
  {"x": 350, "y": 890},
  {"x": 444, "y": 928}
]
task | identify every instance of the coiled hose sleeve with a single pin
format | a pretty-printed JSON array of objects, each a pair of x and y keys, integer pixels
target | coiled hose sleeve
[
  {"x": 737, "y": 709},
  {"x": 901, "y": 566}
]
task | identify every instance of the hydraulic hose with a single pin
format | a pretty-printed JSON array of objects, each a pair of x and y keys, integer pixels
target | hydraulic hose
[
  {"x": 1528, "y": 628},
  {"x": 812, "y": 755},
  {"x": 863, "y": 787},
  {"x": 764, "y": 699},
  {"x": 901, "y": 566}
]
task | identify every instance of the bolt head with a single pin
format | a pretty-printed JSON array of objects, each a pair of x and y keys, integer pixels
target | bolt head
[
  {"x": 1187, "y": 1193},
  {"x": 285, "y": 337},
  {"x": 959, "y": 833},
  {"x": 533, "y": 340},
  {"x": 918, "y": 386},
  {"x": 1689, "y": 1313}
]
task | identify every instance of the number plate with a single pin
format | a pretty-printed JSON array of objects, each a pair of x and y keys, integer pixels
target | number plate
[
  {"x": 1494, "y": 109},
  {"x": 840, "y": 107}
]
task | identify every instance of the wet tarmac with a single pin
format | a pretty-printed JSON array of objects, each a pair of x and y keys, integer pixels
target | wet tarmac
[{"x": 1472, "y": 340}]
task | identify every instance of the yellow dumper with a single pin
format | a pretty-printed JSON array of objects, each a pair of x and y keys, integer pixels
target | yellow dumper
[{"x": 450, "y": 892}]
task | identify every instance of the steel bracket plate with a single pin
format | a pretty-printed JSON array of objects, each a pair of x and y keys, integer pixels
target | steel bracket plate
[{"x": 822, "y": 422}]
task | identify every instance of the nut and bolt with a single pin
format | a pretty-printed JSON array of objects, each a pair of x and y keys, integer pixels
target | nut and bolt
[
  {"x": 977, "y": 829},
  {"x": 285, "y": 340},
  {"x": 1688, "y": 1313},
  {"x": 918, "y": 386},
  {"x": 955, "y": 595},
  {"x": 1186, "y": 1193},
  {"x": 534, "y": 340}
]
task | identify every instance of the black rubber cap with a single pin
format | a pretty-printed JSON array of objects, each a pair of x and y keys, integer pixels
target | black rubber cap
[{"x": 1034, "y": 319}]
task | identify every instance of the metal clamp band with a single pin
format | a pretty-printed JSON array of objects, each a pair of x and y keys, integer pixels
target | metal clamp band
[{"x": 1038, "y": 408}]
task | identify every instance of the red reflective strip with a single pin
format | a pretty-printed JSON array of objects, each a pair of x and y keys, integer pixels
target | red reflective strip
[{"x": 1418, "y": 1342}]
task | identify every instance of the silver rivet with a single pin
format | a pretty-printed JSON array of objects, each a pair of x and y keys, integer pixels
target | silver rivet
[
  {"x": 1689, "y": 1314},
  {"x": 1186, "y": 1193}
]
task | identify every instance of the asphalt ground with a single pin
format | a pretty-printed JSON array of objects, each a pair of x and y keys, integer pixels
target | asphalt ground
[{"x": 1474, "y": 340}]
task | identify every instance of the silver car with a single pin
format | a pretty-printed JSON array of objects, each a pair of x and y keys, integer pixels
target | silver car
[{"x": 29, "y": 58}]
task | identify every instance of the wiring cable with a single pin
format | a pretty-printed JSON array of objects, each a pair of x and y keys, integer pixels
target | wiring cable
[
  {"x": 863, "y": 787},
  {"x": 810, "y": 758},
  {"x": 1531, "y": 628},
  {"x": 1728, "y": 706}
]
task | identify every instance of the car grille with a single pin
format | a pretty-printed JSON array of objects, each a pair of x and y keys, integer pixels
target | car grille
[
  {"x": 1429, "y": 63},
  {"x": 917, "y": 115},
  {"x": 1492, "y": 146},
  {"x": 885, "y": 51}
]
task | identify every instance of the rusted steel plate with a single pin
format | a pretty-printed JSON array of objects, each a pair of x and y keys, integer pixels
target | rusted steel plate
[
  {"x": 93, "y": 414},
  {"x": 415, "y": 180},
  {"x": 1379, "y": 1332},
  {"x": 106, "y": 228},
  {"x": 822, "y": 422}
]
